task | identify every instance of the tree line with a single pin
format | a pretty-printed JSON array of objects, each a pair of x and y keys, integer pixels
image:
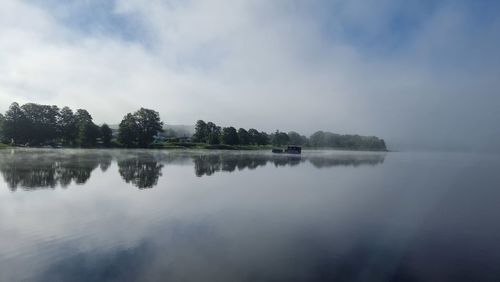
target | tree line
[
  {"x": 34, "y": 124},
  {"x": 210, "y": 133},
  {"x": 25, "y": 170},
  {"x": 37, "y": 125}
]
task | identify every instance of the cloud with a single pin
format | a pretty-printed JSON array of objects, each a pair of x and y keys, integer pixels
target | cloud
[{"x": 418, "y": 74}]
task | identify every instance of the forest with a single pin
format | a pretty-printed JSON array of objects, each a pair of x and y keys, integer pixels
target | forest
[{"x": 35, "y": 125}]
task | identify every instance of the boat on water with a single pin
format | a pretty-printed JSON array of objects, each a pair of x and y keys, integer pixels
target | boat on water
[{"x": 289, "y": 150}]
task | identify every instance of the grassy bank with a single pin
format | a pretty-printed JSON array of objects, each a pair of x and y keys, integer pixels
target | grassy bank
[{"x": 4, "y": 146}]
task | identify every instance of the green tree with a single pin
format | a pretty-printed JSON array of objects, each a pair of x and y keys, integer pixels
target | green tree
[
  {"x": 230, "y": 136},
  {"x": 257, "y": 138},
  {"x": 41, "y": 122},
  {"x": 243, "y": 136},
  {"x": 280, "y": 138},
  {"x": 214, "y": 133},
  {"x": 106, "y": 135},
  {"x": 200, "y": 132},
  {"x": 15, "y": 125},
  {"x": 254, "y": 136},
  {"x": 87, "y": 131},
  {"x": 67, "y": 126},
  {"x": 128, "y": 131},
  {"x": 263, "y": 138},
  {"x": 148, "y": 125}
]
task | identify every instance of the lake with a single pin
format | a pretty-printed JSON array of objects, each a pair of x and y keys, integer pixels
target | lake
[{"x": 151, "y": 215}]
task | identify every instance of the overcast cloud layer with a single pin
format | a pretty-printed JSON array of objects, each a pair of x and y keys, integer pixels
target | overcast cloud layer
[{"x": 421, "y": 74}]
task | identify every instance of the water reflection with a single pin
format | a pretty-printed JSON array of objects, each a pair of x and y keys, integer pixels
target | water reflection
[
  {"x": 246, "y": 216},
  {"x": 36, "y": 169},
  {"x": 48, "y": 170},
  {"x": 141, "y": 170},
  {"x": 208, "y": 164}
]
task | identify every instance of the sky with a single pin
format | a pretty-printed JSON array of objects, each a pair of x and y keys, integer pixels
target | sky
[{"x": 423, "y": 75}]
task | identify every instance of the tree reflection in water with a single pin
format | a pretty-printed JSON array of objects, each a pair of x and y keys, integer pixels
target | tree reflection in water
[
  {"x": 48, "y": 169},
  {"x": 208, "y": 164},
  {"x": 34, "y": 168},
  {"x": 141, "y": 170}
]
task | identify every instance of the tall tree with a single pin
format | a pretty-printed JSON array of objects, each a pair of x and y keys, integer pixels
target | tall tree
[
  {"x": 243, "y": 136},
  {"x": 148, "y": 125},
  {"x": 263, "y": 138},
  {"x": 128, "y": 131},
  {"x": 106, "y": 135},
  {"x": 200, "y": 132},
  {"x": 214, "y": 133},
  {"x": 254, "y": 136},
  {"x": 67, "y": 126},
  {"x": 15, "y": 125},
  {"x": 230, "y": 136},
  {"x": 280, "y": 138},
  {"x": 42, "y": 122},
  {"x": 87, "y": 131}
]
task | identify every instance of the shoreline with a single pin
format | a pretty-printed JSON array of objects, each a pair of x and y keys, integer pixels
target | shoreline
[{"x": 191, "y": 146}]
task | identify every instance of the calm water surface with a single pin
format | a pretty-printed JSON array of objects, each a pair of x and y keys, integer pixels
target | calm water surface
[{"x": 117, "y": 215}]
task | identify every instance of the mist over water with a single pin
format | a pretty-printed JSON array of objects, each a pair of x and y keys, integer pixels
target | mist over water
[{"x": 146, "y": 215}]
